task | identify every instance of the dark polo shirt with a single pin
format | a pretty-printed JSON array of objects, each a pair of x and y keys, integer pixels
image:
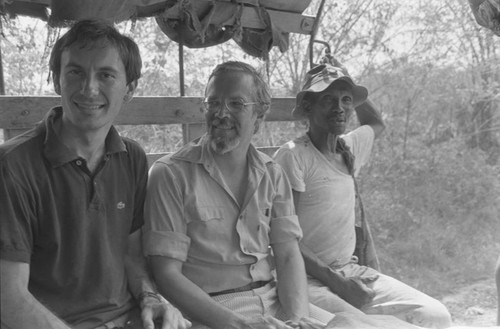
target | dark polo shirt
[{"x": 69, "y": 225}]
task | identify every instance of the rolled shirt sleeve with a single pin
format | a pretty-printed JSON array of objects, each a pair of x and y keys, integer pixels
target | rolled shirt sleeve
[
  {"x": 165, "y": 228},
  {"x": 288, "y": 161},
  {"x": 284, "y": 222}
]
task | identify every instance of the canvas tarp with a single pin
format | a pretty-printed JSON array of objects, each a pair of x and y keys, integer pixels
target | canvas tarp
[{"x": 195, "y": 23}]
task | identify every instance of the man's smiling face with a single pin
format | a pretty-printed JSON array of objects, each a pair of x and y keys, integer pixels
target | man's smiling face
[{"x": 93, "y": 86}]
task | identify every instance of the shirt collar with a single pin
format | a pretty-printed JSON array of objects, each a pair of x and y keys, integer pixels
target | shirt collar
[
  {"x": 58, "y": 154},
  {"x": 199, "y": 151}
]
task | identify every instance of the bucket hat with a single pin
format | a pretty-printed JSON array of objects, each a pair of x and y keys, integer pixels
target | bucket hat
[{"x": 321, "y": 77}]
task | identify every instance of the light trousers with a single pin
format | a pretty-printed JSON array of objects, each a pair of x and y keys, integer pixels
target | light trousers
[{"x": 392, "y": 297}]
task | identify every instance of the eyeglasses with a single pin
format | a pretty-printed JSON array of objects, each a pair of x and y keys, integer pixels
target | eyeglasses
[{"x": 233, "y": 105}]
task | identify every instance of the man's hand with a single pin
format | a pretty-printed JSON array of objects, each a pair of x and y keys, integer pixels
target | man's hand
[
  {"x": 356, "y": 292},
  {"x": 329, "y": 59},
  {"x": 306, "y": 323},
  {"x": 162, "y": 312}
]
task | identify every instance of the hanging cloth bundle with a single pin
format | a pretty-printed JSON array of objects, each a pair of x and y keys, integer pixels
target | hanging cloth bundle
[
  {"x": 487, "y": 14},
  {"x": 198, "y": 24}
]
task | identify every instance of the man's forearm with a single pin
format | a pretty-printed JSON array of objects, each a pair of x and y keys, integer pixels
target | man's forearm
[
  {"x": 369, "y": 115},
  {"x": 139, "y": 279},
  {"x": 19, "y": 308},
  {"x": 25, "y": 312},
  {"x": 138, "y": 275},
  {"x": 291, "y": 281}
]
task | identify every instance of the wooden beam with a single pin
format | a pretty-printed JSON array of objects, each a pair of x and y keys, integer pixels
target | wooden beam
[{"x": 22, "y": 112}]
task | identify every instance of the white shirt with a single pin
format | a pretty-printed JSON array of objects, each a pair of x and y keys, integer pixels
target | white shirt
[{"x": 326, "y": 208}]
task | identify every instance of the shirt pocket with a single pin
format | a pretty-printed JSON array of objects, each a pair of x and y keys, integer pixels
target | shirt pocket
[
  {"x": 207, "y": 224},
  {"x": 208, "y": 213}
]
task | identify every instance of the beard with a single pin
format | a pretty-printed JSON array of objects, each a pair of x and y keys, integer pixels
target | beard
[
  {"x": 222, "y": 138},
  {"x": 223, "y": 146}
]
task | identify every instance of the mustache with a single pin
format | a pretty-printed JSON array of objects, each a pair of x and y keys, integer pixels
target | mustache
[
  {"x": 338, "y": 116},
  {"x": 225, "y": 121}
]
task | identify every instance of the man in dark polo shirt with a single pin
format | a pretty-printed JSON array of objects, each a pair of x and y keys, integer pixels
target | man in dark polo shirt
[{"x": 71, "y": 199}]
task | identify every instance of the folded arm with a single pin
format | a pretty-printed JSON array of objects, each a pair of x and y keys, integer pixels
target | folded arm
[{"x": 19, "y": 308}]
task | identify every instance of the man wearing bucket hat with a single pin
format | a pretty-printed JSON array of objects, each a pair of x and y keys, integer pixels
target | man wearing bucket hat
[{"x": 321, "y": 166}]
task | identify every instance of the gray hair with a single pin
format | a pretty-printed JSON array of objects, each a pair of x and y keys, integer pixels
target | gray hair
[{"x": 262, "y": 89}]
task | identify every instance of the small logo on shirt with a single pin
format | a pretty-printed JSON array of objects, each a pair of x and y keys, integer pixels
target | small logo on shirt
[{"x": 120, "y": 205}]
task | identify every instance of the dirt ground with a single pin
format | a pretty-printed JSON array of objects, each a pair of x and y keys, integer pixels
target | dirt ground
[{"x": 473, "y": 305}]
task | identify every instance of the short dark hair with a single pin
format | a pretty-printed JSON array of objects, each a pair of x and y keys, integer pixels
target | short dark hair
[
  {"x": 97, "y": 33},
  {"x": 262, "y": 89}
]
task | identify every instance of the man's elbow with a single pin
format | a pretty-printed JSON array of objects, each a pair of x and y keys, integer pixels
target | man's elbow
[
  {"x": 165, "y": 270},
  {"x": 289, "y": 257},
  {"x": 378, "y": 128}
]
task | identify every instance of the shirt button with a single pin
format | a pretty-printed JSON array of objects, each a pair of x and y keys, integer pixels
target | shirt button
[
  {"x": 78, "y": 162},
  {"x": 241, "y": 217}
]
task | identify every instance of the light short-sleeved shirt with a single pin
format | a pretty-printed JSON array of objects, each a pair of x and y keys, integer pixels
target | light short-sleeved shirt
[
  {"x": 70, "y": 225},
  {"x": 190, "y": 215},
  {"x": 326, "y": 208}
]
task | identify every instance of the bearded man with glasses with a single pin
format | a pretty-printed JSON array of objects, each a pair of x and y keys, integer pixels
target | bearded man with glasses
[{"x": 216, "y": 208}]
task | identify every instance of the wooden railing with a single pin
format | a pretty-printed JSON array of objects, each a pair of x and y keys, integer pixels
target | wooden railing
[{"x": 20, "y": 113}]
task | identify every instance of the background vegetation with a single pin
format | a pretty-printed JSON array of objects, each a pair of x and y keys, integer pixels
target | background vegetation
[{"x": 432, "y": 188}]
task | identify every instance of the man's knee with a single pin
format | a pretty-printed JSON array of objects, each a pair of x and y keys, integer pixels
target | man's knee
[{"x": 434, "y": 315}]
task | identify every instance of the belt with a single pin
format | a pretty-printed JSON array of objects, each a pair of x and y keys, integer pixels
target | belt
[{"x": 248, "y": 287}]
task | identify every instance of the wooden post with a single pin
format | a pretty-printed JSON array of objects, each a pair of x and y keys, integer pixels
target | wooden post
[
  {"x": 192, "y": 130},
  {"x": 313, "y": 33},
  {"x": 2, "y": 87}
]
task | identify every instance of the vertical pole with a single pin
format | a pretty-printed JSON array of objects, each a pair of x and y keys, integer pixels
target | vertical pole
[
  {"x": 317, "y": 21},
  {"x": 181, "y": 69},
  {"x": 2, "y": 87},
  {"x": 190, "y": 131}
]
